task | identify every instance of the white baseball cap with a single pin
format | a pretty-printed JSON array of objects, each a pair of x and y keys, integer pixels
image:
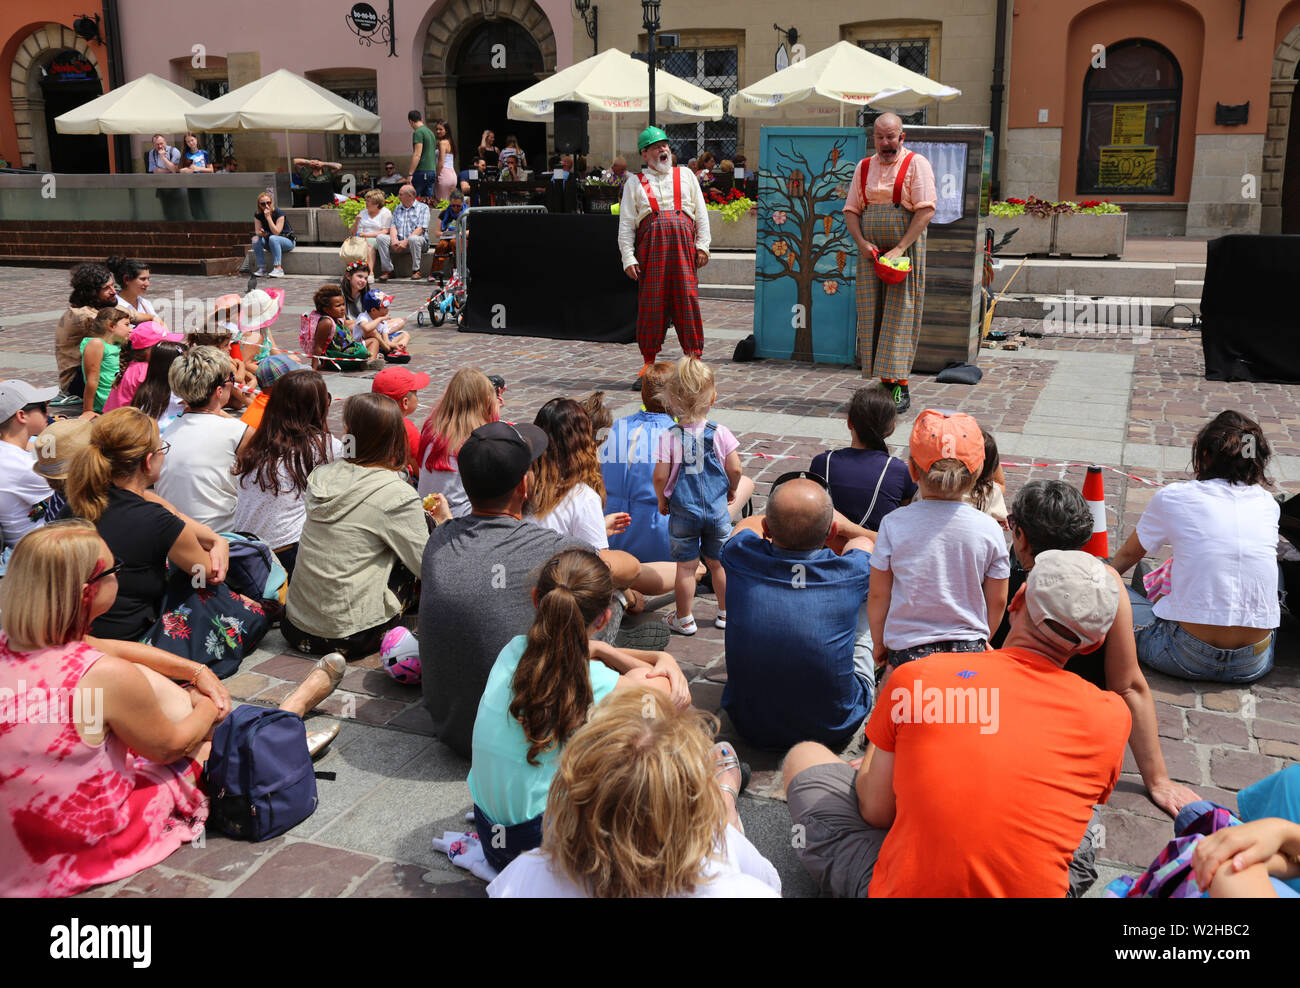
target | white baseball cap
[{"x": 17, "y": 395}]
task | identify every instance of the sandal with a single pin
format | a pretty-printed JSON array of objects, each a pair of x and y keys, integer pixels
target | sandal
[
  {"x": 726, "y": 759},
  {"x": 681, "y": 627}
]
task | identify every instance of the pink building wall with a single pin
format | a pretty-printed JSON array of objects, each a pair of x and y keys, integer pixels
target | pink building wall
[{"x": 159, "y": 37}]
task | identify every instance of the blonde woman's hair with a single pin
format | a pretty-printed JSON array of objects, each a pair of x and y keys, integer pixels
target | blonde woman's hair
[
  {"x": 119, "y": 442},
  {"x": 690, "y": 389},
  {"x": 634, "y": 810},
  {"x": 197, "y": 373},
  {"x": 41, "y": 603},
  {"x": 374, "y": 195},
  {"x": 946, "y": 480},
  {"x": 468, "y": 402}
]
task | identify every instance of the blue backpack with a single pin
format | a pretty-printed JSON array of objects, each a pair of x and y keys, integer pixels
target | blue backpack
[{"x": 259, "y": 776}]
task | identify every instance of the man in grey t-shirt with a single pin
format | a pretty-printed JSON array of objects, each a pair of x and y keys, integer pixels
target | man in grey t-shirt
[{"x": 478, "y": 577}]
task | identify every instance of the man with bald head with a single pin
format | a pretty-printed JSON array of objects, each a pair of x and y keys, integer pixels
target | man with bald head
[
  {"x": 890, "y": 202},
  {"x": 411, "y": 218},
  {"x": 798, "y": 664}
]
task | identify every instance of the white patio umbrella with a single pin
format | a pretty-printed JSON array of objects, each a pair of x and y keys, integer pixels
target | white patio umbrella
[
  {"x": 146, "y": 105},
  {"x": 616, "y": 83},
  {"x": 839, "y": 76},
  {"x": 285, "y": 102}
]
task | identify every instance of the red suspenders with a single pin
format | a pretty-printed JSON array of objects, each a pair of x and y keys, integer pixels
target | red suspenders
[
  {"x": 677, "y": 191},
  {"x": 898, "y": 181}
]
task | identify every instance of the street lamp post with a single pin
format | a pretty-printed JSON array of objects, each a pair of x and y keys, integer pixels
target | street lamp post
[
  {"x": 650, "y": 21},
  {"x": 588, "y": 14}
]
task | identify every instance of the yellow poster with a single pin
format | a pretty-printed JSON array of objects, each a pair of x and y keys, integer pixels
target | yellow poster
[
  {"x": 1129, "y": 124},
  {"x": 1127, "y": 166}
]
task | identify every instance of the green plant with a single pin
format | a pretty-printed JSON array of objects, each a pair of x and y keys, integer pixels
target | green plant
[
  {"x": 732, "y": 210},
  {"x": 1034, "y": 206},
  {"x": 349, "y": 210}
]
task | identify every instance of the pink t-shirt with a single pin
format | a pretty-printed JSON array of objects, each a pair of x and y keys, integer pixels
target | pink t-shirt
[
  {"x": 670, "y": 449},
  {"x": 918, "y": 186},
  {"x": 124, "y": 390}
]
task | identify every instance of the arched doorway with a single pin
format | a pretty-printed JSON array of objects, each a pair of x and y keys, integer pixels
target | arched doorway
[
  {"x": 496, "y": 60},
  {"x": 27, "y": 93},
  {"x": 67, "y": 81}
]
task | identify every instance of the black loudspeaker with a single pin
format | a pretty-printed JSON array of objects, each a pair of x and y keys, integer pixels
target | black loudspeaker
[{"x": 571, "y": 127}]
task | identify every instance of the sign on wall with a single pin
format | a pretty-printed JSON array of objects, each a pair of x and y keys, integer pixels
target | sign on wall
[{"x": 70, "y": 66}]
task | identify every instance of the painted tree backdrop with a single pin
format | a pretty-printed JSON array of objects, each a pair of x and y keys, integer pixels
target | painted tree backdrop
[{"x": 800, "y": 224}]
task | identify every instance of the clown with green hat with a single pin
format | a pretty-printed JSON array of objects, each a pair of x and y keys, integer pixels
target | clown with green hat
[{"x": 663, "y": 236}]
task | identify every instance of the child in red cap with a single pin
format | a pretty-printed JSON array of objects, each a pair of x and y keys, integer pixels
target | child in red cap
[
  {"x": 939, "y": 570},
  {"x": 402, "y": 386}
]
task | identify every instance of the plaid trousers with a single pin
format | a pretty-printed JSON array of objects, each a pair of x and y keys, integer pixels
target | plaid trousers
[
  {"x": 889, "y": 316},
  {"x": 665, "y": 250}
]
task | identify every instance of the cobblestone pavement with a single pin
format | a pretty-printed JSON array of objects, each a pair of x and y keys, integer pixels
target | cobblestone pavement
[{"x": 1132, "y": 406}]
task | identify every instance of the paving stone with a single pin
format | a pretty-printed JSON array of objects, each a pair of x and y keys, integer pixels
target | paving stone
[
  {"x": 1182, "y": 762},
  {"x": 305, "y": 869},
  {"x": 1131, "y": 795},
  {"x": 154, "y": 884},
  {"x": 414, "y": 718},
  {"x": 1131, "y": 839},
  {"x": 246, "y": 685},
  {"x": 1169, "y": 721},
  {"x": 1275, "y": 731},
  {"x": 293, "y": 668},
  {"x": 706, "y": 695},
  {"x": 1277, "y": 710},
  {"x": 376, "y": 682},
  {"x": 1178, "y": 696},
  {"x": 220, "y": 858},
  {"x": 390, "y": 880},
  {"x": 1208, "y": 728},
  {"x": 1229, "y": 701},
  {"x": 1239, "y": 769},
  {"x": 1281, "y": 749}
]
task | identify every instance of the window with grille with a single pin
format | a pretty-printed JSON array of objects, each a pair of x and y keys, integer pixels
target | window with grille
[
  {"x": 717, "y": 70},
  {"x": 359, "y": 145},
  {"x": 219, "y": 146},
  {"x": 913, "y": 54}
]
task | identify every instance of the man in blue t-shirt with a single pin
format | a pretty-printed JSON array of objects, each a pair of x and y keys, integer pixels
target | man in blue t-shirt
[{"x": 799, "y": 660}]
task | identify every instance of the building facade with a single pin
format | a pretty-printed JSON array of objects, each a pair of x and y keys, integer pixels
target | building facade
[{"x": 1179, "y": 110}]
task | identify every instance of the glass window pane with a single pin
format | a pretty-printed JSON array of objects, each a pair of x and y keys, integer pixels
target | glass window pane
[
  {"x": 913, "y": 54},
  {"x": 714, "y": 69}
]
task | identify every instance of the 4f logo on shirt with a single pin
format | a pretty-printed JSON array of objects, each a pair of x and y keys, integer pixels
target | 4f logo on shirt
[{"x": 967, "y": 673}]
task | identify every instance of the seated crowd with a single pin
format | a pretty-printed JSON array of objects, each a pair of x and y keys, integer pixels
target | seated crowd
[{"x": 996, "y": 687}]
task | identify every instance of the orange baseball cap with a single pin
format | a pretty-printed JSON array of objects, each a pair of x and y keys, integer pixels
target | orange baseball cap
[{"x": 947, "y": 436}]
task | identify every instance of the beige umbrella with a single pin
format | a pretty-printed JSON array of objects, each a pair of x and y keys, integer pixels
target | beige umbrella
[
  {"x": 839, "y": 76},
  {"x": 285, "y": 102},
  {"x": 616, "y": 83},
  {"x": 146, "y": 105}
]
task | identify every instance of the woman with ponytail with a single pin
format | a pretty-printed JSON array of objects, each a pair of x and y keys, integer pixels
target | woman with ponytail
[
  {"x": 541, "y": 689},
  {"x": 108, "y": 485}
]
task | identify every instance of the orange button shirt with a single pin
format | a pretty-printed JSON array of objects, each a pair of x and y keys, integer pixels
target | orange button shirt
[
  {"x": 994, "y": 806},
  {"x": 918, "y": 186}
]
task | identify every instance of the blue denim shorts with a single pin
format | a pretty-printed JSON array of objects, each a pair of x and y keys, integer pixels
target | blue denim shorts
[
  {"x": 517, "y": 839},
  {"x": 689, "y": 537},
  {"x": 1168, "y": 647}
]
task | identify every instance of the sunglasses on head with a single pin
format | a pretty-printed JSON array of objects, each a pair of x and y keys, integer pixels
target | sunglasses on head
[
  {"x": 111, "y": 571},
  {"x": 799, "y": 475}
]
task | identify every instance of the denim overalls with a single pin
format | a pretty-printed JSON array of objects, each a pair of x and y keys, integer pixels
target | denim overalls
[{"x": 698, "y": 517}]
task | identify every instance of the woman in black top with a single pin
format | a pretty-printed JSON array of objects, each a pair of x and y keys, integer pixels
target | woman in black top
[
  {"x": 108, "y": 484},
  {"x": 271, "y": 229}
]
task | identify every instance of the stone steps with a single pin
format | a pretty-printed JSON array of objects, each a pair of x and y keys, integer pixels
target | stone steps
[{"x": 1113, "y": 310}]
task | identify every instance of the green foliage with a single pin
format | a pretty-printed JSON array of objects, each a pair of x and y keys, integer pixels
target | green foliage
[
  {"x": 350, "y": 210},
  {"x": 732, "y": 211},
  {"x": 1044, "y": 208}
]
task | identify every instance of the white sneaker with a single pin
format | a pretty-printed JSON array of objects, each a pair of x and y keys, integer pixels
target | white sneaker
[
  {"x": 260, "y": 273},
  {"x": 721, "y": 620},
  {"x": 276, "y": 273}
]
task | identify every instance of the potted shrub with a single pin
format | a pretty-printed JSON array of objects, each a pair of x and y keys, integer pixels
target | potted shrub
[
  {"x": 1028, "y": 224},
  {"x": 738, "y": 228},
  {"x": 1094, "y": 228}
]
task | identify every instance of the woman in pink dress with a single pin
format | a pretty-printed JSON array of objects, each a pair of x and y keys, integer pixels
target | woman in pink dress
[{"x": 445, "y": 180}]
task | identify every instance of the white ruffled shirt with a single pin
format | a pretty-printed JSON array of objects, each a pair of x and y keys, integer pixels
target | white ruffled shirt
[{"x": 636, "y": 206}]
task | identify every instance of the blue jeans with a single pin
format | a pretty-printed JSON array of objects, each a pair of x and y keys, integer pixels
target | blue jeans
[
  {"x": 1167, "y": 647},
  {"x": 519, "y": 838},
  {"x": 279, "y": 245},
  {"x": 423, "y": 182}
]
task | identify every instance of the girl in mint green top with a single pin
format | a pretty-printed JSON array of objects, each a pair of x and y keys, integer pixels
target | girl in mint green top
[
  {"x": 100, "y": 351},
  {"x": 542, "y": 688}
]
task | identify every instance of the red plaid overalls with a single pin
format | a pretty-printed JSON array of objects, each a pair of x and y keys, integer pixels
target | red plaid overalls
[{"x": 665, "y": 250}]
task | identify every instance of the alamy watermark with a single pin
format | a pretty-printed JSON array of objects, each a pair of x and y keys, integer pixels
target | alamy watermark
[{"x": 1114, "y": 316}]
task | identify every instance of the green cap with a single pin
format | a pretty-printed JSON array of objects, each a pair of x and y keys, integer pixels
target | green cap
[{"x": 651, "y": 135}]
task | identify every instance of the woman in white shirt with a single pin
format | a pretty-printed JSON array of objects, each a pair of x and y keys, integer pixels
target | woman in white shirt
[
  {"x": 1219, "y": 620},
  {"x": 133, "y": 276},
  {"x": 374, "y": 224},
  {"x": 641, "y": 807},
  {"x": 272, "y": 467}
]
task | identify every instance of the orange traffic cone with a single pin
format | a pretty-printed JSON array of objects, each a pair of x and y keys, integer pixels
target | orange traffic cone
[{"x": 1094, "y": 492}]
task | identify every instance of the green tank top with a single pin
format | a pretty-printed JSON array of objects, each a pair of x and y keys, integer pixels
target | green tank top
[{"x": 108, "y": 367}]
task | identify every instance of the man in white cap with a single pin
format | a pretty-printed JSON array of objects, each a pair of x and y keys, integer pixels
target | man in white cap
[
  {"x": 22, "y": 418},
  {"x": 663, "y": 237},
  {"x": 983, "y": 767}
]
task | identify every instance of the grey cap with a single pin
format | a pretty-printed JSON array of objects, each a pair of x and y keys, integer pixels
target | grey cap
[
  {"x": 17, "y": 395},
  {"x": 1075, "y": 590}
]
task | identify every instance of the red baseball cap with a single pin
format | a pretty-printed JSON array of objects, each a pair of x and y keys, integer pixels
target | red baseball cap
[
  {"x": 940, "y": 435},
  {"x": 397, "y": 381}
]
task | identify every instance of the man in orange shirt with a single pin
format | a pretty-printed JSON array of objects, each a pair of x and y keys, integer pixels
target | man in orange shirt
[
  {"x": 890, "y": 202},
  {"x": 983, "y": 768}
]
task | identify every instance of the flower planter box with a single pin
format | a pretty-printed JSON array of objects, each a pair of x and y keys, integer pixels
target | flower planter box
[
  {"x": 1034, "y": 234},
  {"x": 329, "y": 226},
  {"x": 1090, "y": 234},
  {"x": 740, "y": 235}
]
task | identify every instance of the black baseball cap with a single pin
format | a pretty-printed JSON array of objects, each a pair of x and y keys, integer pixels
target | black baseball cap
[{"x": 496, "y": 456}]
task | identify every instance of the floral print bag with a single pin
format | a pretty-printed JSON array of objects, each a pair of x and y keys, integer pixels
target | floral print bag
[{"x": 212, "y": 624}]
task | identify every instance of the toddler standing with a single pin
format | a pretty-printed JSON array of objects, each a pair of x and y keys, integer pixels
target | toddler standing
[
  {"x": 939, "y": 572},
  {"x": 696, "y": 472}
]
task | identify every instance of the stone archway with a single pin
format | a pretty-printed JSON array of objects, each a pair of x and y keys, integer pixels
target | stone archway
[
  {"x": 1281, "y": 90},
  {"x": 452, "y": 26},
  {"x": 25, "y": 92}
]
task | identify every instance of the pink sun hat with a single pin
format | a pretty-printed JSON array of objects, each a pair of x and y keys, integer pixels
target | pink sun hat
[
  {"x": 261, "y": 307},
  {"x": 149, "y": 333}
]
